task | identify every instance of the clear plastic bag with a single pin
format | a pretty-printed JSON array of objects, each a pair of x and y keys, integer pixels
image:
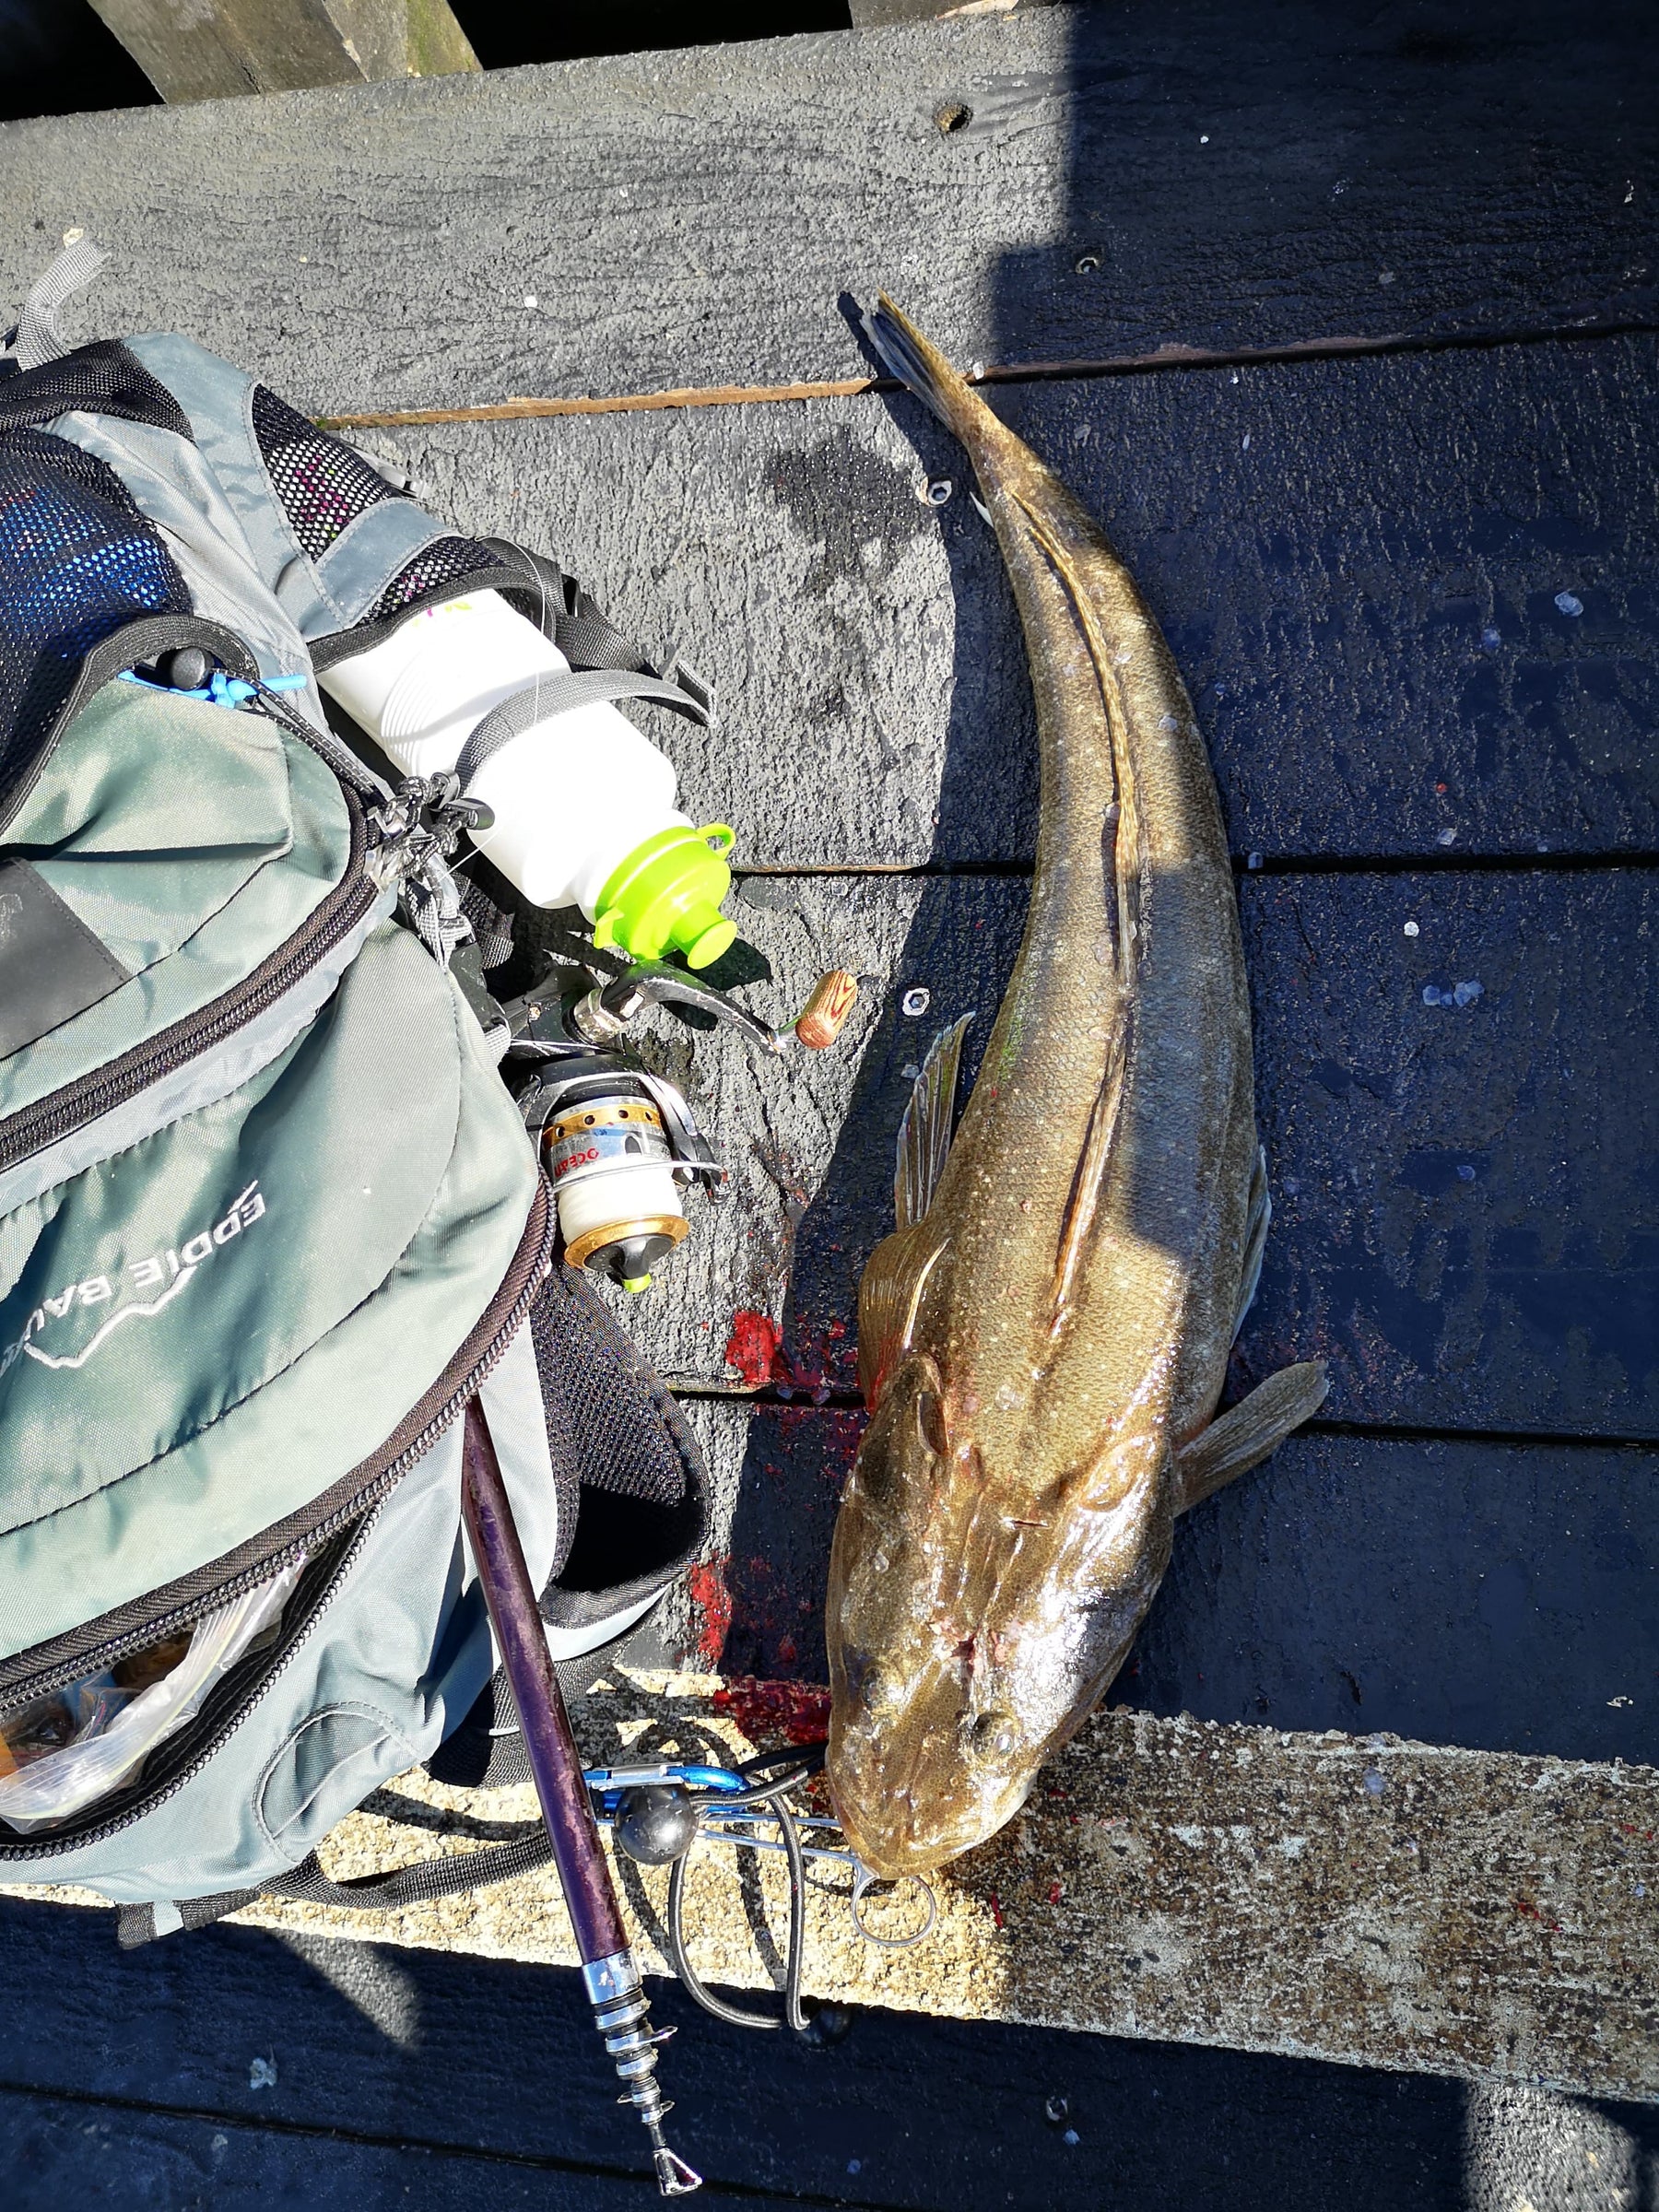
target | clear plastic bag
[{"x": 77, "y": 1745}]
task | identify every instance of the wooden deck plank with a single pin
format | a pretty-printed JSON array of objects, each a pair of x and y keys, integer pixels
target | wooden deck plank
[
  {"x": 1302, "y": 175},
  {"x": 940, "y": 2116},
  {"x": 1522, "y": 1296},
  {"x": 221, "y": 51},
  {"x": 70, "y": 2154},
  {"x": 1361, "y": 566},
  {"x": 1500, "y": 1596}
]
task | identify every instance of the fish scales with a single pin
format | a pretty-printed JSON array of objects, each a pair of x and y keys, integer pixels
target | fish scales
[{"x": 1043, "y": 1339}]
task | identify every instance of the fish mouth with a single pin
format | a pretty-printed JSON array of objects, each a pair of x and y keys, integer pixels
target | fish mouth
[
  {"x": 889, "y": 1853},
  {"x": 901, "y": 1828}
]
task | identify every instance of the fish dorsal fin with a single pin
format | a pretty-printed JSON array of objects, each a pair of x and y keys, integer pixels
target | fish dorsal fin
[
  {"x": 929, "y": 1121},
  {"x": 890, "y": 1298},
  {"x": 1259, "y": 1215}
]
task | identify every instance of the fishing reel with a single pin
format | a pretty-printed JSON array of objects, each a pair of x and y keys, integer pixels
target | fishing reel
[{"x": 622, "y": 1143}]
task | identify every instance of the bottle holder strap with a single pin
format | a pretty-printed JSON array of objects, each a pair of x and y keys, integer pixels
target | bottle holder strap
[{"x": 551, "y": 695}]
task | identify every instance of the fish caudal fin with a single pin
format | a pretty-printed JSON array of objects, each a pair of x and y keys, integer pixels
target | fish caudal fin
[
  {"x": 1247, "y": 1432},
  {"x": 916, "y": 361},
  {"x": 928, "y": 1126}
]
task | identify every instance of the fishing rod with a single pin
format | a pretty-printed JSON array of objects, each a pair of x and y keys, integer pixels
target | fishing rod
[{"x": 622, "y": 2010}]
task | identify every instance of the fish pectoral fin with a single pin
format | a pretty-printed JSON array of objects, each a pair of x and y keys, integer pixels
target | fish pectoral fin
[
  {"x": 928, "y": 1126},
  {"x": 1247, "y": 1432},
  {"x": 1259, "y": 1215},
  {"x": 888, "y": 1300}
]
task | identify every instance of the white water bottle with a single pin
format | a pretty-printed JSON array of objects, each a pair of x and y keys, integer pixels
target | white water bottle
[{"x": 584, "y": 803}]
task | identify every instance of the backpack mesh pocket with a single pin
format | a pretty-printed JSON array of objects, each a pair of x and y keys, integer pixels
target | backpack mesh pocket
[
  {"x": 101, "y": 379},
  {"x": 446, "y": 562},
  {"x": 320, "y": 484},
  {"x": 79, "y": 561}
]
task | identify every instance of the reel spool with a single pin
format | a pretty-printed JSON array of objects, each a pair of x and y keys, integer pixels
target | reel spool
[{"x": 612, "y": 1164}]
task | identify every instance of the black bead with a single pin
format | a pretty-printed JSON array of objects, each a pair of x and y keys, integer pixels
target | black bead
[
  {"x": 185, "y": 670},
  {"x": 656, "y": 1824}
]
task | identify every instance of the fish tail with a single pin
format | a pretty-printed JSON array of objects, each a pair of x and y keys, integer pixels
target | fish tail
[{"x": 919, "y": 364}]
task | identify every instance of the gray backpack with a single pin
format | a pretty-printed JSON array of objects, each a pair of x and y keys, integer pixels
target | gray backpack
[{"x": 268, "y": 1215}]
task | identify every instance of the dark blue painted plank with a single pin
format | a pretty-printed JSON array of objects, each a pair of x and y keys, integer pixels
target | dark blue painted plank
[
  {"x": 71, "y": 2156},
  {"x": 1500, "y": 1596},
  {"x": 1413, "y": 599},
  {"x": 419, "y": 2078},
  {"x": 1364, "y": 567},
  {"x": 692, "y": 219},
  {"x": 449, "y": 2081},
  {"x": 1463, "y": 1137},
  {"x": 1466, "y": 1192}
]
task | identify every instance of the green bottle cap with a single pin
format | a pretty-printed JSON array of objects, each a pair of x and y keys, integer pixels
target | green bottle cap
[{"x": 668, "y": 892}]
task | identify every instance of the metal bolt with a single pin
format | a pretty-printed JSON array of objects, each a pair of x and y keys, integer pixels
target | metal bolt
[
  {"x": 916, "y": 1003},
  {"x": 1087, "y": 263},
  {"x": 938, "y": 491}
]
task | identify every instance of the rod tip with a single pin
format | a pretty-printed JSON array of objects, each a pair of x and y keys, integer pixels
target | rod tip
[{"x": 674, "y": 2178}]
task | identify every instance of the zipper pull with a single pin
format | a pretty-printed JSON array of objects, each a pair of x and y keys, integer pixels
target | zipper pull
[{"x": 413, "y": 835}]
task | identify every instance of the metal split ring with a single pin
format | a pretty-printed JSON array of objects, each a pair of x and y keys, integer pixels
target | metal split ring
[{"x": 863, "y": 1881}]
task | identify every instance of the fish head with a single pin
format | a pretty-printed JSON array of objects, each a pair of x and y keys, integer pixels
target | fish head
[{"x": 968, "y": 1643}]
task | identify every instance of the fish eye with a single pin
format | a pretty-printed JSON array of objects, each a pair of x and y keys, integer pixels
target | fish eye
[
  {"x": 868, "y": 1681},
  {"x": 990, "y": 1735}
]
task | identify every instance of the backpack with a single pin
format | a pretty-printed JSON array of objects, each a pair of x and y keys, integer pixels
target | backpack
[{"x": 269, "y": 1216}]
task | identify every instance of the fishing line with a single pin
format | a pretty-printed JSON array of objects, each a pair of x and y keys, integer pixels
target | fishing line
[{"x": 658, "y": 1815}]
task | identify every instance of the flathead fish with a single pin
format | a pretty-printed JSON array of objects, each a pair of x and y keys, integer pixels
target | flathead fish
[{"x": 1042, "y": 1339}]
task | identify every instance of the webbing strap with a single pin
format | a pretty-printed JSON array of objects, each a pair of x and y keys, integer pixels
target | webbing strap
[
  {"x": 37, "y": 339},
  {"x": 307, "y": 1883},
  {"x": 419, "y": 1883},
  {"x": 551, "y": 695},
  {"x": 566, "y": 613},
  {"x": 605, "y": 666}
]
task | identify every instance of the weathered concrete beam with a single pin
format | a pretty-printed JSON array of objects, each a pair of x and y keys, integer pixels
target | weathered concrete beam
[
  {"x": 1363, "y": 1900},
  {"x": 1129, "y": 182},
  {"x": 217, "y": 49}
]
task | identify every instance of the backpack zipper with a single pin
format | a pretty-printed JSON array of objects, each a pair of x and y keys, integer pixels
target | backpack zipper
[
  {"x": 60, "y": 1113},
  {"x": 372, "y": 1482}
]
